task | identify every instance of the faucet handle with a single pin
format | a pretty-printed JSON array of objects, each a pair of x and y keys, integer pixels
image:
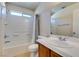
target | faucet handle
[{"x": 62, "y": 38}]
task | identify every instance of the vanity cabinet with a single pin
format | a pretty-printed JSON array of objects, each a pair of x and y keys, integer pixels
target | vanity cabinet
[
  {"x": 43, "y": 51},
  {"x": 46, "y": 52},
  {"x": 54, "y": 54}
]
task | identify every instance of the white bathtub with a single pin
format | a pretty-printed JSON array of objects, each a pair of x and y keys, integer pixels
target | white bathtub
[{"x": 14, "y": 48}]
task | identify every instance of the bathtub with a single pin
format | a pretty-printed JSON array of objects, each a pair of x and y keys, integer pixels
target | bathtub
[{"x": 14, "y": 48}]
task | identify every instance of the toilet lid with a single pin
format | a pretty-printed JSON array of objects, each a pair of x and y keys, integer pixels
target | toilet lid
[{"x": 33, "y": 46}]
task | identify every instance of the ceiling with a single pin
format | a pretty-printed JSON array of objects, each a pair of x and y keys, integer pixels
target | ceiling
[
  {"x": 34, "y": 5},
  {"x": 29, "y": 5}
]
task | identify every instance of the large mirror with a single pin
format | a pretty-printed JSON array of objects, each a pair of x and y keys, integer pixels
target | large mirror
[{"x": 65, "y": 19}]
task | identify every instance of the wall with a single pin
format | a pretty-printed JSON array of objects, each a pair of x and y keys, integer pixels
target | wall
[
  {"x": 17, "y": 8},
  {"x": 75, "y": 23},
  {"x": 2, "y": 18},
  {"x": 0, "y": 31},
  {"x": 66, "y": 16},
  {"x": 45, "y": 23},
  {"x": 20, "y": 26},
  {"x": 44, "y": 10},
  {"x": 18, "y": 31}
]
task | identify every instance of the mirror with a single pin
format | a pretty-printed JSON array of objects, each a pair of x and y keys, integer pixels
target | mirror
[{"x": 65, "y": 19}]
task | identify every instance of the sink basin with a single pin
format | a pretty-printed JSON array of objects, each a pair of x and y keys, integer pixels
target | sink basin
[
  {"x": 55, "y": 40},
  {"x": 73, "y": 39},
  {"x": 59, "y": 43}
]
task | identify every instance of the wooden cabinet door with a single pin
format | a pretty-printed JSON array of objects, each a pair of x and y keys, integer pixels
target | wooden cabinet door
[
  {"x": 54, "y": 54},
  {"x": 43, "y": 51}
]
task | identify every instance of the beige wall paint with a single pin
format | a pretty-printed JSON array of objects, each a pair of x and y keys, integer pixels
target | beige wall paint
[
  {"x": 45, "y": 23},
  {"x": 0, "y": 32},
  {"x": 14, "y": 41},
  {"x": 75, "y": 23},
  {"x": 22, "y": 26},
  {"x": 2, "y": 18},
  {"x": 44, "y": 10},
  {"x": 21, "y": 9}
]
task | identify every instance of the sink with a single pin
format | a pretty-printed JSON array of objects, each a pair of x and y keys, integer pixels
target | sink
[
  {"x": 58, "y": 43},
  {"x": 73, "y": 39},
  {"x": 64, "y": 41}
]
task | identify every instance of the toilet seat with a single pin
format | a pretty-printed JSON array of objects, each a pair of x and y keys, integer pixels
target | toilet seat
[{"x": 33, "y": 47}]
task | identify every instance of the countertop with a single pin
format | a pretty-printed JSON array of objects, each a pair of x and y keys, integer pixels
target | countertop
[{"x": 65, "y": 52}]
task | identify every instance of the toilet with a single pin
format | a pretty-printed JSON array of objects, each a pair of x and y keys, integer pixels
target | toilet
[{"x": 33, "y": 48}]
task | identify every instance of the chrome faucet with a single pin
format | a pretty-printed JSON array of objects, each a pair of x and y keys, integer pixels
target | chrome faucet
[{"x": 62, "y": 39}]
